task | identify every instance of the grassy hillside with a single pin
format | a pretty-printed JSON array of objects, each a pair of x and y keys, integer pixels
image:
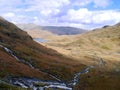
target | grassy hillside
[
  {"x": 89, "y": 48},
  {"x": 102, "y": 42},
  {"x": 23, "y": 46},
  {"x": 99, "y": 49},
  {"x": 41, "y": 34}
]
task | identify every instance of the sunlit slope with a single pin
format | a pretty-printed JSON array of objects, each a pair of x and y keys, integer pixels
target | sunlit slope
[
  {"x": 41, "y": 34},
  {"x": 91, "y": 48},
  {"x": 103, "y": 42}
]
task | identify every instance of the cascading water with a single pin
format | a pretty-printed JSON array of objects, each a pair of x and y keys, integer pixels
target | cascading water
[
  {"x": 29, "y": 82},
  {"x": 22, "y": 81}
]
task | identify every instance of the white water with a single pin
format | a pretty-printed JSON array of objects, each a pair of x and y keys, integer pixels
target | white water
[
  {"x": 50, "y": 84},
  {"x": 25, "y": 83},
  {"x": 9, "y": 51},
  {"x": 20, "y": 84},
  {"x": 86, "y": 70},
  {"x": 24, "y": 61},
  {"x": 58, "y": 86},
  {"x": 30, "y": 83},
  {"x": 77, "y": 76}
]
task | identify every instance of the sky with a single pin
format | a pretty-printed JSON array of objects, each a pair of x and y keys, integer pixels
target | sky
[{"x": 86, "y": 14}]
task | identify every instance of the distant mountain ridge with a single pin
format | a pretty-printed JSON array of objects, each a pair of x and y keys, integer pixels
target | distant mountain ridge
[
  {"x": 63, "y": 30},
  {"x": 59, "y": 30}
]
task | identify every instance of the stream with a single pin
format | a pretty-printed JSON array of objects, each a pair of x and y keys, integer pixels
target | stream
[
  {"x": 30, "y": 82},
  {"x": 37, "y": 84}
]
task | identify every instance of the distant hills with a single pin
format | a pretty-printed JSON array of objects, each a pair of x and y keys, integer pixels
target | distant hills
[
  {"x": 63, "y": 30},
  {"x": 59, "y": 30}
]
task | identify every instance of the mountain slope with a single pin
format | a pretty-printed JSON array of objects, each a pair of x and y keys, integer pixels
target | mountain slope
[
  {"x": 63, "y": 30},
  {"x": 99, "y": 48},
  {"x": 15, "y": 42},
  {"x": 41, "y": 34},
  {"x": 21, "y": 57},
  {"x": 58, "y": 30},
  {"x": 103, "y": 42}
]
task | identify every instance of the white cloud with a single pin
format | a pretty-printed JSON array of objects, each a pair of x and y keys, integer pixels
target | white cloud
[
  {"x": 59, "y": 12},
  {"x": 47, "y": 6},
  {"x": 107, "y": 16},
  {"x": 48, "y": 12},
  {"x": 10, "y": 5},
  {"x": 36, "y": 20},
  {"x": 9, "y": 15},
  {"x": 86, "y": 17},
  {"x": 81, "y": 15}
]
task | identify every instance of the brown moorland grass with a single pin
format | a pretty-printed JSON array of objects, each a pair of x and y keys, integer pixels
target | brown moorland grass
[
  {"x": 102, "y": 42},
  {"x": 88, "y": 48},
  {"x": 45, "y": 59},
  {"x": 9, "y": 66}
]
